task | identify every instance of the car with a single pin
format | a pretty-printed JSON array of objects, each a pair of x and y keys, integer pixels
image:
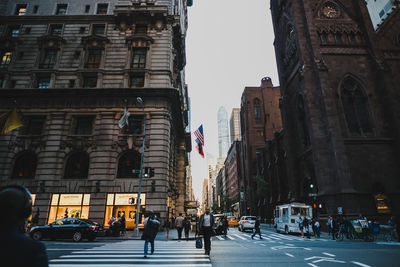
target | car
[
  {"x": 232, "y": 220},
  {"x": 246, "y": 223},
  {"x": 66, "y": 228}
]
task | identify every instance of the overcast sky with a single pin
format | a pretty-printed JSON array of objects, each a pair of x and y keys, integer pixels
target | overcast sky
[{"x": 229, "y": 45}]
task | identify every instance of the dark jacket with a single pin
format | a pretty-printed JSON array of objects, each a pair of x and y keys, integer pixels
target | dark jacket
[
  {"x": 151, "y": 228},
  {"x": 201, "y": 221},
  {"x": 257, "y": 224},
  {"x": 19, "y": 250}
]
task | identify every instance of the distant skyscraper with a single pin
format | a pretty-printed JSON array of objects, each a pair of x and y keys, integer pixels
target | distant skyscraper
[
  {"x": 234, "y": 124},
  {"x": 223, "y": 132},
  {"x": 379, "y": 10}
]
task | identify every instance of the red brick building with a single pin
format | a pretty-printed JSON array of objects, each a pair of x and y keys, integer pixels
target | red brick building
[
  {"x": 339, "y": 81},
  {"x": 260, "y": 118}
]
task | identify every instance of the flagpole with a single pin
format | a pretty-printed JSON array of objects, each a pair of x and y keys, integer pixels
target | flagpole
[{"x": 140, "y": 100}]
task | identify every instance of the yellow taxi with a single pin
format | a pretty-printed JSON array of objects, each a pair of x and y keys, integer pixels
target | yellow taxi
[{"x": 233, "y": 220}]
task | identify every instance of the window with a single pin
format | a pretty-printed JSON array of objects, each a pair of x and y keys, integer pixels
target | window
[
  {"x": 94, "y": 58},
  {"x": 49, "y": 59},
  {"x": 20, "y": 55},
  {"x": 83, "y": 125},
  {"x": 90, "y": 81},
  {"x": 77, "y": 166},
  {"x": 338, "y": 38},
  {"x": 98, "y": 29},
  {"x": 324, "y": 38},
  {"x": 35, "y": 9},
  {"x": 55, "y": 29},
  {"x": 20, "y": 10},
  {"x": 139, "y": 58},
  {"x": 128, "y": 162},
  {"x": 61, "y": 9},
  {"x": 14, "y": 31},
  {"x": 135, "y": 124},
  {"x": 71, "y": 84},
  {"x": 25, "y": 166},
  {"x": 43, "y": 82},
  {"x": 257, "y": 111},
  {"x": 355, "y": 106},
  {"x": 87, "y": 8},
  {"x": 141, "y": 29},
  {"x": 27, "y": 30},
  {"x": 82, "y": 30},
  {"x": 5, "y": 59},
  {"x": 137, "y": 80},
  {"x": 352, "y": 38},
  {"x": 33, "y": 125},
  {"x": 102, "y": 9}
]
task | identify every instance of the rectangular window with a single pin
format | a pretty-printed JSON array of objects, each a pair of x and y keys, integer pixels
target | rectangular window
[
  {"x": 140, "y": 29},
  {"x": 94, "y": 58},
  {"x": 352, "y": 39},
  {"x": 71, "y": 84},
  {"x": 139, "y": 58},
  {"x": 382, "y": 13},
  {"x": 69, "y": 206},
  {"x": 135, "y": 125},
  {"x": 49, "y": 59},
  {"x": 87, "y": 8},
  {"x": 90, "y": 81},
  {"x": 55, "y": 29},
  {"x": 338, "y": 38},
  {"x": 27, "y": 30},
  {"x": 33, "y": 125},
  {"x": 324, "y": 38},
  {"x": 13, "y": 31},
  {"x": 98, "y": 29},
  {"x": 5, "y": 59},
  {"x": 20, "y": 10},
  {"x": 84, "y": 125},
  {"x": 137, "y": 80},
  {"x": 35, "y": 9},
  {"x": 43, "y": 82},
  {"x": 102, "y": 9},
  {"x": 61, "y": 9},
  {"x": 82, "y": 30}
]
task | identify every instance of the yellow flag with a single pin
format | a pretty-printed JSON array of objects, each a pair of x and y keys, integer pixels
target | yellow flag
[{"x": 10, "y": 121}]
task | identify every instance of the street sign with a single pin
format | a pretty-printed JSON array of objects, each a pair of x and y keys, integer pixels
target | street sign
[
  {"x": 312, "y": 194},
  {"x": 136, "y": 171},
  {"x": 340, "y": 210}
]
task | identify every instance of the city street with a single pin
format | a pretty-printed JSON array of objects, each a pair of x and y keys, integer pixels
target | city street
[{"x": 237, "y": 249}]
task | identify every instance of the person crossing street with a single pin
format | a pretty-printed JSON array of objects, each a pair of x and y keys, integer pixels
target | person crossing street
[
  {"x": 206, "y": 223},
  {"x": 179, "y": 225},
  {"x": 257, "y": 228},
  {"x": 151, "y": 226}
]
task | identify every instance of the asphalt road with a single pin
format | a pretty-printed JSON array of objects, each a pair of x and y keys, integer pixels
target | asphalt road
[{"x": 237, "y": 249}]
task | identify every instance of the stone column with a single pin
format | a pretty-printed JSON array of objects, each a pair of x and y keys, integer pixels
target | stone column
[{"x": 180, "y": 177}]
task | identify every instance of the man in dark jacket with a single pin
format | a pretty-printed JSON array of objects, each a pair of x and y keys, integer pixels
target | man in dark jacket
[
  {"x": 17, "y": 249},
  {"x": 206, "y": 223},
  {"x": 151, "y": 226},
  {"x": 257, "y": 228}
]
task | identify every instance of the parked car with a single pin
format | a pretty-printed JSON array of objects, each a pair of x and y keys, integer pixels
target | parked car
[
  {"x": 77, "y": 229},
  {"x": 246, "y": 223}
]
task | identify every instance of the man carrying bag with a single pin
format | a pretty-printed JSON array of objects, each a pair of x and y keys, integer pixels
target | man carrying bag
[
  {"x": 151, "y": 226},
  {"x": 205, "y": 226}
]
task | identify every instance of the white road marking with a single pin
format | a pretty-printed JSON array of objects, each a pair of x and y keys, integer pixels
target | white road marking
[
  {"x": 240, "y": 237},
  {"x": 360, "y": 264},
  {"x": 231, "y": 238},
  {"x": 135, "y": 256},
  {"x": 307, "y": 249},
  {"x": 147, "y": 265},
  {"x": 290, "y": 255},
  {"x": 313, "y": 265},
  {"x": 263, "y": 245},
  {"x": 219, "y": 237},
  {"x": 123, "y": 260},
  {"x": 328, "y": 254}
]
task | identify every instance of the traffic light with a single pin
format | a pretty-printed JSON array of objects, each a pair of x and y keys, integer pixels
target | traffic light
[
  {"x": 151, "y": 172},
  {"x": 146, "y": 172}
]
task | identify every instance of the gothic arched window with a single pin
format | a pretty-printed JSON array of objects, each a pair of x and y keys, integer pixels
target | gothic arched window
[
  {"x": 355, "y": 106},
  {"x": 25, "y": 166},
  {"x": 128, "y": 162},
  {"x": 77, "y": 165},
  {"x": 257, "y": 111}
]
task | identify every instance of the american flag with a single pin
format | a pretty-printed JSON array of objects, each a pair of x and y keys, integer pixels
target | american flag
[{"x": 200, "y": 140}]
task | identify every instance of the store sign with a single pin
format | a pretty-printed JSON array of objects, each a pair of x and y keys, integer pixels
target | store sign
[
  {"x": 70, "y": 199},
  {"x": 191, "y": 204},
  {"x": 123, "y": 199},
  {"x": 191, "y": 211}
]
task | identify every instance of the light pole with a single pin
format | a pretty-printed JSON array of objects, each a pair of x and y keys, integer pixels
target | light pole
[{"x": 140, "y": 101}]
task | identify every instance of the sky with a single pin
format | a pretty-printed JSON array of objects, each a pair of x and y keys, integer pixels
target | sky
[{"x": 229, "y": 45}]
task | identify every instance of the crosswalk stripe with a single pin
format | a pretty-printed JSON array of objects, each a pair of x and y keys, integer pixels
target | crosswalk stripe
[
  {"x": 124, "y": 260},
  {"x": 147, "y": 265},
  {"x": 231, "y": 238},
  {"x": 132, "y": 256},
  {"x": 219, "y": 237},
  {"x": 240, "y": 237}
]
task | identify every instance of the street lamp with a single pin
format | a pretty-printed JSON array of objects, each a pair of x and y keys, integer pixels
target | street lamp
[{"x": 140, "y": 101}]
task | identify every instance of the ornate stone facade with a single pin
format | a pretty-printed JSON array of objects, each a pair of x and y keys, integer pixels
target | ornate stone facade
[{"x": 74, "y": 67}]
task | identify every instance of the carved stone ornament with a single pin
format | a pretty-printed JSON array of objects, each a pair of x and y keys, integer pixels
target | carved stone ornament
[
  {"x": 50, "y": 41},
  {"x": 143, "y": 2},
  {"x": 321, "y": 65},
  {"x": 95, "y": 41},
  {"x": 79, "y": 143},
  {"x": 28, "y": 143}
]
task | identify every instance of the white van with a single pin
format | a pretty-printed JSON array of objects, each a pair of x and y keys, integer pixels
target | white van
[{"x": 286, "y": 217}]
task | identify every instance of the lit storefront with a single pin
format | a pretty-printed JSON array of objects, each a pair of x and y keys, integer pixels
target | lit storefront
[
  {"x": 125, "y": 204},
  {"x": 69, "y": 206}
]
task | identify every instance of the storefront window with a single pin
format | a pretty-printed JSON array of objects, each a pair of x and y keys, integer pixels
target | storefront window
[
  {"x": 125, "y": 204},
  {"x": 69, "y": 206}
]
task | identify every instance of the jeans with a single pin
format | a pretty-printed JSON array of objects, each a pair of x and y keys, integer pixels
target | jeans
[
  {"x": 179, "y": 232},
  {"x": 207, "y": 238},
  {"x": 146, "y": 246},
  {"x": 256, "y": 231}
]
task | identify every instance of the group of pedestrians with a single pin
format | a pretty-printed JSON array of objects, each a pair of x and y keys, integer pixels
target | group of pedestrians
[
  {"x": 117, "y": 226},
  {"x": 305, "y": 224}
]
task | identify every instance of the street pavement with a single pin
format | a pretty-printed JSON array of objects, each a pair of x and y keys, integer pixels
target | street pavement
[{"x": 237, "y": 249}]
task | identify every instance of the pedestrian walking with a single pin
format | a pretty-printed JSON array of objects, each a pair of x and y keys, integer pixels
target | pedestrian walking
[
  {"x": 167, "y": 226},
  {"x": 313, "y": 226},
  {"x": 187, "y": 225},
  {"x": 257, "y": 228},
  {"x": 330, "y": 227},
  {"x": 301, "y": 226},
  {"x": 151, "y": 227},
  {"x": 225, "y": 225},
  {"x": 123, "y": 224},
  {"x": 206, "y": 223},
  {"x": 179, "y": 225},
  {"x": 317, "y": 228},
  {"x": 306, "y": 226},
  {"x": 16, "y": 248}
]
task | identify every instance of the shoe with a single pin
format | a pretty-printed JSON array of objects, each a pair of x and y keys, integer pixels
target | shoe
[
  {"x": 252, "y": 237},
  {"x": 260, "y": 237},
  {"x": 208, "y": 253},
  {"x": 152, "y": 253},
  {"x": 145, "y": 256}
]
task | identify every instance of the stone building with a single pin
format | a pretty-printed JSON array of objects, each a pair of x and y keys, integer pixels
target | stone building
[
  {"x": 340, "y": 104},
  {"x": 72, "y": 67},
  {"x": 234, "y": 179},
  {"x": 260, "y": 118}
]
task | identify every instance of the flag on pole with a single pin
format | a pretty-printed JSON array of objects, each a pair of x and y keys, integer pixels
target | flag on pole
[
  {"x": 124, "y": 119},
  {"x": 200, "y": 140},
  {"x": 10, "y": 121}
]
